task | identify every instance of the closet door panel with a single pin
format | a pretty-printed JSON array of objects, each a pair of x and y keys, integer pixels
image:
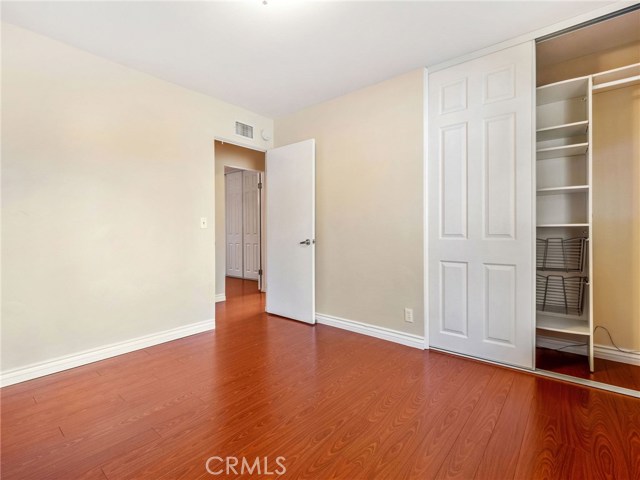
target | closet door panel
[
  {"x": 233, "y": 223},
  {"x": 499, "y": 163},
  {"x": 453, "y": 195},
  {"x": 500, "y": 303},
  {"x": 453, "y": 278},
  {"x": 251, "y": 225},
  {"x": 480, "y": 187}
]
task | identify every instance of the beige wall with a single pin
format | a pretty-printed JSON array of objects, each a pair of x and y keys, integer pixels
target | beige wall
[
  {"x": 231, "y": 156},
  {"x": 616, "y": 215},
  {"x": 369, "y": 181},
  {"x": 105, "y": 175}
]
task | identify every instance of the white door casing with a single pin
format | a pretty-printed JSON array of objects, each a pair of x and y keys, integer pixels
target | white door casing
[
  {"x": 233, "y": 223},
  {"x": 290, "y": 217},
  {"x": 251, "y": 224},
  {"x": 480, "y": 191}
]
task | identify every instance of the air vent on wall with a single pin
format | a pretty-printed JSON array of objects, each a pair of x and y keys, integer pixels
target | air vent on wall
[{"x": 244, "y": 130}]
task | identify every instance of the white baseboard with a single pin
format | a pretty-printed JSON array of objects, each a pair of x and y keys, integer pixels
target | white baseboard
[
  {"x": 221, "y": 297},
  {"x": 610, "y": 353},
  {"x": 66, "y": 362},
  {"x": 402, "y": 338},
  {"x": 599, "y": 351}
]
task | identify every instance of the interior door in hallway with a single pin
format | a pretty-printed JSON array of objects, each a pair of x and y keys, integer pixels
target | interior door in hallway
[
  {"x": 251, "y": 224},
  {"x": 481, "y": 178},
  {"x": 233, "y": 227},
  {"x": 290, "y": 217}
]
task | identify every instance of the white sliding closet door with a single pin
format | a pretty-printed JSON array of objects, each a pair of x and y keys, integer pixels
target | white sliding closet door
[
  {"x": 251, "y": 224},
  {"x": 233, "y": 202},
  {"x": 480, "y": 186}
]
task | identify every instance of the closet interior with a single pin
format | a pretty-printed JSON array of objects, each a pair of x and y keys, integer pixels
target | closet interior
[{"x": 588, "y": 201}]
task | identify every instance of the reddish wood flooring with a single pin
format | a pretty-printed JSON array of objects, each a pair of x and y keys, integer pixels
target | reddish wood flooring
[
  {"x": 336, "y": 405},
  {"x": 606, "y": 371}
]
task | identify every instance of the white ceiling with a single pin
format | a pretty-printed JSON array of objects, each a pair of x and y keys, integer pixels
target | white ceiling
[{"x": 284, "y": 56}]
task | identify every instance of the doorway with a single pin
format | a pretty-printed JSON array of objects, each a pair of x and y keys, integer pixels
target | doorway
[
  {"x": 285, "y": 252},
  {"x": 239, "y": 213}
]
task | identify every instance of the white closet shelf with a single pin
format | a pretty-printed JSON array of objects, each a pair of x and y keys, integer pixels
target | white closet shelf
[
  {"x": 559, "y": 190},
  {"x": 562, "y": 151},
  {"x": 557, "y": 225},
  {"x": 575, "y": 326},
  {"x": 562, "y": 131},
  {"x": 556, "y": 92}
]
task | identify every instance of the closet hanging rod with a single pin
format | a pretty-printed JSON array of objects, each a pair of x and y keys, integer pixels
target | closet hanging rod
[
  {"x": 623, "y": 82},
  {"x": 616, "y": 78}
]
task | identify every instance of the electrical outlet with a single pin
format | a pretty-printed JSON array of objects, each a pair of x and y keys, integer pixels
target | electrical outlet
[
  {"x": 203, "y": 222},
  {"x": 408, "y": 315}
]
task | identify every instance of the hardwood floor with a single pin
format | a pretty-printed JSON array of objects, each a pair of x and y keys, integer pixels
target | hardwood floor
[
  {"x": 606, "y": 371},
  {"x": 336, "y": 405}
]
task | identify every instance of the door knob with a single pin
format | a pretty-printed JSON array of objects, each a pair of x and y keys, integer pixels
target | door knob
[{"x": 305, "y": 242}]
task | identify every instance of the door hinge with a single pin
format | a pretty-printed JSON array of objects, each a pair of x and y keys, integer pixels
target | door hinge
[
  {"x": 259, "y": 185},
  {"x": 260, "y": 272}
]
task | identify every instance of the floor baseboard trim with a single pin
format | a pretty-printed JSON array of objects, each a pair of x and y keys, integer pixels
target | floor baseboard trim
[
  {"x": 599, "y": 351},
  {"x": 382, "y": 333},
  {"x": 221, "y": 297},
  {"x": 66, "y": 362}
]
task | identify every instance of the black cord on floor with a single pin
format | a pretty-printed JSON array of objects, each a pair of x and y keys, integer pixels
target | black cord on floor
[
  {"x": 572, "y": 345},
  {"x": 611, "y": 340}
]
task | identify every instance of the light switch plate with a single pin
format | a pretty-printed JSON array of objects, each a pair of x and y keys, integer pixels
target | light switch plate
[{"x": 203, "y": 222}]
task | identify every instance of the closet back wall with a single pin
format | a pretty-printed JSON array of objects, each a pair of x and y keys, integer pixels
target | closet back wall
[{"x": 616, "y": 215}]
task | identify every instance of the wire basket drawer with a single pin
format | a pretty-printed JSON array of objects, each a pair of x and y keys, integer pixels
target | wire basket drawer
[
  {"x": 561, "y": 254},
  {"x": 558, "y": 294}
]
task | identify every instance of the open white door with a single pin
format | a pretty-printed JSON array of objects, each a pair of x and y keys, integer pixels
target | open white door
[
  {"x": 290, "y": 217},
  {"x": 480, "y": 189}
]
